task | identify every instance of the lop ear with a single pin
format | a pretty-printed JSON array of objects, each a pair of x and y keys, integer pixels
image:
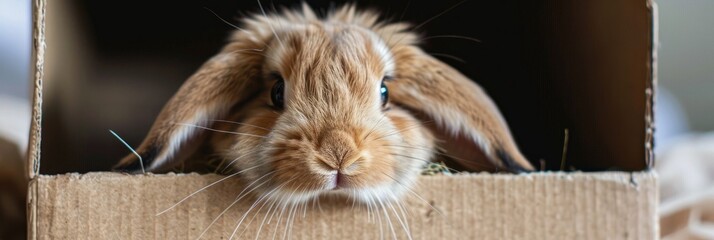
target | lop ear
[
  {"x": 225, "y": 80},
  {"x": 461, "y": 111}
]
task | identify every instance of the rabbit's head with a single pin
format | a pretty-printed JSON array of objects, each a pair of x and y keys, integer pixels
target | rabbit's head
[{"x": 342, "y": 103}]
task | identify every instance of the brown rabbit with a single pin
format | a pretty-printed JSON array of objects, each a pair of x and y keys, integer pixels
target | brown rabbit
[{"x": 343, "y": 103}]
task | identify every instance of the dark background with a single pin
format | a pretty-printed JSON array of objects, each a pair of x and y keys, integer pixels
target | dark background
[{"x": 549, "y": 67}]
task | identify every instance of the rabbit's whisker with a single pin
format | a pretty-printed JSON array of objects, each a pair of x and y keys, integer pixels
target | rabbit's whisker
[
  {"x": 291, "y": 215},
  {"x": 406, "y": 156},
  {"x": 256, "y": 50},
  {"x": 206, "y": 187},
  {"x": 388, "y": 219},
  {"x": 225, "y": 21},
  {"x": 262, "y": 201},
  {"x": 287, "y": 219},
  {"x": 439, "y": 15},
  {"x": 220, "y": 131},
  {"x": 281, "y": 204},
  {"x": 319, "y": 206},
  {"x": 449, "y": 56},
  {"x": 270, "y": 219},
  {"x": 427, "y": 21},
  {"x": 290, "y": 220},
  {"x": 240, "y": 123},
  {"x": 404, "y": 11},
  {"x": 354, "y": 200},
  {"x": 435, "y": 152},
  {"x": 411, "y": 147},
  {"x": 415, "y": 194},
  {"x": 270, "y": 209},
  {"x": 404, "y": 223},
  {"x": 270, "y": 24},
  {"x": 258, "y": 201},
  {"x": 239, "y": 157},
  {"x": 282, "y": 211},
  {"x": 226, "y": 169},
  {"x": 376, "y": 211},
  {"x": 402, "y": 209},
  {"x": 369, "y": 211},
  {"x": 304, "y": 210},
  {"x": 418, "y": 125},
  {"x": 429, "y": 161},
  {"x": 374, "y": 127},
  {"x": 240, "y": 196},
  {"x": 453, "y": 36}
]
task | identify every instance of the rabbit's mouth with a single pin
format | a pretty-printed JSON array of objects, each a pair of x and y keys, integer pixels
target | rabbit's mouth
[
  {"x": 386, "y": 192},
  {"x": 370, "y": 186},
  {"x": 337, "y": 181}
]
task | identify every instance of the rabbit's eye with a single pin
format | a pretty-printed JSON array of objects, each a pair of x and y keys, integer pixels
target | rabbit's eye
[
  {"x": 277, "y": 93},
  {"x": 385, "y": 93}
]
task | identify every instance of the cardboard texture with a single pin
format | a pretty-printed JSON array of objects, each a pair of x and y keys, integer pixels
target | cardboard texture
[
  {"x": 38, "y": 58},
  {"x": 606, "y": 205},
  {"x": 478, "y": 206}
]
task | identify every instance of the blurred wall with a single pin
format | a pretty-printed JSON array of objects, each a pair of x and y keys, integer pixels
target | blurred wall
[
  {"x": 686, "y": 57},
  {"x": 15, "y": 39},
  {"x": 15, "y": 42}
]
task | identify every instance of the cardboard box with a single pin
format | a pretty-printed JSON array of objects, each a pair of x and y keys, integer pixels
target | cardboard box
[
  {"x": 547, "y": 205},
  {"x": 475, "y": 206}
]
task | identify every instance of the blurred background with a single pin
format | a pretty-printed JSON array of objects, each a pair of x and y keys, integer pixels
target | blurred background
[{"x": 549, "y": 67}]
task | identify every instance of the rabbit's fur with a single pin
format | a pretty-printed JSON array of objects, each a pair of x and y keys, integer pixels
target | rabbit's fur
[{"x": 333, "y": 133}]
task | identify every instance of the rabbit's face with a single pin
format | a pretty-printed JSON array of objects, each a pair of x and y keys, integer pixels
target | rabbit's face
[
  {"x": 329, "y": 104},
  {"x": 324, "y": 121}
]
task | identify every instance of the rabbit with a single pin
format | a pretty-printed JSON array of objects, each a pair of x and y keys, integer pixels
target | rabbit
[{"x": 302, "y": 105}]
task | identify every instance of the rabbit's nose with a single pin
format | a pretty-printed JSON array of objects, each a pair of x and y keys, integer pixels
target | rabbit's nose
[{"x": 338, "y": 150}]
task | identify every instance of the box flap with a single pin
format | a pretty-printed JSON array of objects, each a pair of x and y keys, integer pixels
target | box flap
[
  {"x": 38, "y": 58},
  {"x": 651, "y": 85}
]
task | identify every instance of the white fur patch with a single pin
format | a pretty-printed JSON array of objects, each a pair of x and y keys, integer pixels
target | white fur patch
[
  {"x": 385, "y": 54},
  {"x": 455, "y": 123},
  {"x": 182, "y": 132}
]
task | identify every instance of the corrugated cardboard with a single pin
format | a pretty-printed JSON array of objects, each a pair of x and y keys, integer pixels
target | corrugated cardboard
[
  {"x": 480, "y": 206},
  {"x": 606, "y": 205}
]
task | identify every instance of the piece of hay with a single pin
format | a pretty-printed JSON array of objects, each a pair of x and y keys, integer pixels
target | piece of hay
[{"x": 436, "y": 168}]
